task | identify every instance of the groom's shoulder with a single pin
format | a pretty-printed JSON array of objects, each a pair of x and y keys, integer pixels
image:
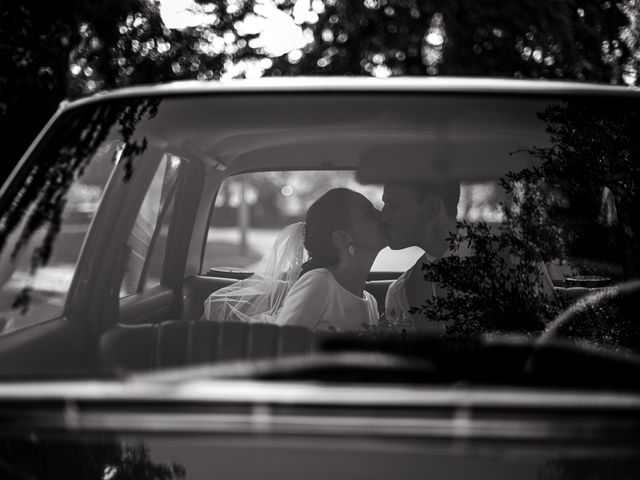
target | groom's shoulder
[{"x": 399, "y": 282}]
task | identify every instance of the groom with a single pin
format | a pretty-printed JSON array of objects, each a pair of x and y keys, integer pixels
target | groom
[{"x": 422, "y": 215}]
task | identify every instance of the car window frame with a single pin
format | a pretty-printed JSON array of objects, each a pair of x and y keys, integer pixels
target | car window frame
[{"x": 169, "y": 202}]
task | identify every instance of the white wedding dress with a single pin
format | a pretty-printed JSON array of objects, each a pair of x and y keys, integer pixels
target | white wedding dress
[{"x": 316, "y": 301}]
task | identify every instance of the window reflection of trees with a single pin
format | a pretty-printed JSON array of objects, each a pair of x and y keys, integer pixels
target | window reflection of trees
[
  {"x": 44, "y": 189},
  {"x": 578, "y": 206}
]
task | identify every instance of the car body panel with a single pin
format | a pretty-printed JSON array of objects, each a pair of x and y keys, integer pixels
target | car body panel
[{"x": 222, "y": 419}]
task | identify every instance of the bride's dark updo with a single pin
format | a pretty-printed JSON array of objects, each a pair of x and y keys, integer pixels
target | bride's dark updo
[{"x": 326, "y": 215}]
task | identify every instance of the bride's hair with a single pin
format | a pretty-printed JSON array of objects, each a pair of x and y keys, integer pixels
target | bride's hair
[{"x": 327, "y": 214}]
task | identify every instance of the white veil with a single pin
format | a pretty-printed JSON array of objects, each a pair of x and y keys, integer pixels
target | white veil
[{"x": 260, "y": 297}]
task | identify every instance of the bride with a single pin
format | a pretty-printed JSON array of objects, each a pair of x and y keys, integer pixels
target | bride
[{"x": 342, "y": 235}]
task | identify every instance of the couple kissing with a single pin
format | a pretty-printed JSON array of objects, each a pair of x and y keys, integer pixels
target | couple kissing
[{"x": 342, "y": 235}]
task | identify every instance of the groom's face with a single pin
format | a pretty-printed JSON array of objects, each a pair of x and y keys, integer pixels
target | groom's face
[{"x": 402, "y": 216}]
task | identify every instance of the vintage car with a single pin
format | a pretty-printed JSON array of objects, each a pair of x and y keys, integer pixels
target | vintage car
[{"x": 133, "y": 206}]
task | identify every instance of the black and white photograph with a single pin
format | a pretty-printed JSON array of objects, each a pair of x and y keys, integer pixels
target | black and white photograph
[{"x": 319, "y": 239}]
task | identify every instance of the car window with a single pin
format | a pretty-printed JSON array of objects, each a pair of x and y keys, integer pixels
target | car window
[
  {"x": 523, "y": 207},
  {"x": 29, "y": 294},
  {"x": 49, "y": 210},
  {"x": 251, "y": 209},
  {"x": 147, "y": 241}
]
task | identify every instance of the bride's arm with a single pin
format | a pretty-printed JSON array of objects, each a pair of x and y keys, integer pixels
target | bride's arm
[{"x": 306, "y": 302}]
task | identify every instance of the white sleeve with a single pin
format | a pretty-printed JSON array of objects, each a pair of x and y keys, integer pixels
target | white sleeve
[
  {"x": 306, "y": 302},
  {"x": 374, "y": 314},
  {"x": 393, "y": 305}
]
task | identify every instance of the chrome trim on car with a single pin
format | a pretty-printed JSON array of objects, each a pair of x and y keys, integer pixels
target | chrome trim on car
[
  {"x": 262, "y": 420},
  {"x": 363, "y": 85},
  {"x": 528, "y": 418},
  {"x": 314, "y": 394}
]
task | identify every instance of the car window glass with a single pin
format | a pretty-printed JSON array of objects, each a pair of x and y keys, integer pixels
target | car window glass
[
  {"x": 149, "y": 231},
  {"x": 155, "y": 261},
  {"x": 29, "y": 294},
  {"x": 546, "y": 209},
  {"x": 251, "y": 209}
]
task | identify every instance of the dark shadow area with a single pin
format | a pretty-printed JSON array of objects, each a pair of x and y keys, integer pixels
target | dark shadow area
[
  {"x": 578, "y": 206},
  {"x": 90, "y": 457}
]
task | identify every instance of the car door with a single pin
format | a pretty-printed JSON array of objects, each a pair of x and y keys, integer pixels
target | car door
[
  {"x": 74, "y": 221},
  {"x": 48, "y": 211}
]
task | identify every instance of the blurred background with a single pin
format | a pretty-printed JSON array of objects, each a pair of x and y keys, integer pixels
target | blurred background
[
  {"x": 251, "y": 209},
  {"x": 51, "y": 51}
]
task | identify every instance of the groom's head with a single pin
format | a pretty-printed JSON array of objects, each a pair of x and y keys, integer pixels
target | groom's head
[{"x": 414, "y": 213}]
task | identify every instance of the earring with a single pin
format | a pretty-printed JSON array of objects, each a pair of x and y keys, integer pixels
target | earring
[{"x": 352, "y": 250}]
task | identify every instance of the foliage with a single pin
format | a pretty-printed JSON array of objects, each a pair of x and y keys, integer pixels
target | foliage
[
  {"x": 595, "y": 145},
  {"x": 139, "y": 49},
  {"x": 49, "y": 52},
  {"x": 498, "y": 288},
  {"x": 501, "y": 286},
  {"x": 134, "y": 463},
  {"x": 567, "y": 39},
  {"x": 630, "y": 36},
  {"x": 36, "y": 40},
  {"x": 52, "y": 51},
  {"x": 85, "y": 458},
  {"x": 44, "y": 191}
]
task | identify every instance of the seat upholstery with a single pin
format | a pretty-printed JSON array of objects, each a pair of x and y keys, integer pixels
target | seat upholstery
[
  {"x": 232, "y": 343},
  {"x": 294, "y": 340},
  {"x": 196, "y": 289},
  {"x": 203, "y": 341},
  {"x": 171, "y": 344},
  {"x": 263, "y": 341},
  {"x": 132, "y": 347},
  {"x": 177, "y": 342}
]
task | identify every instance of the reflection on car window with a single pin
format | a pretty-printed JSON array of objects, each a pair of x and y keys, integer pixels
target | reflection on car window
[
  {"x": 144, "y": 264},
  {"x": 567, "y": 225},
  {"x": 251, "y": 209},
  {"x": 544, "y": 212},
  {"x": 52, "y": 203},
  {"x": 47, "y": 286}
]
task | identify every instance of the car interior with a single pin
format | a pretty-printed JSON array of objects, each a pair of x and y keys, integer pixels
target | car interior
[{"x": 137, "y": 295}]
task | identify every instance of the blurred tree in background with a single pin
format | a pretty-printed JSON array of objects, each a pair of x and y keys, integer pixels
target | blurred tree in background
[
  {"x": 277, "y": 199},
  {"x": 36, "y": 41},
  {"x": 552, "y": 213},
  {"x": 556, "y": 39},
  {"x": 50, "y": 50}
]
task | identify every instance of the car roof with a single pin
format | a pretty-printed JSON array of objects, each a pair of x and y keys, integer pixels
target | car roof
[
  {"x": 244, "y": 125},
  {"x": 465, "y": 85},
  {"x": 344, "y": 135}
]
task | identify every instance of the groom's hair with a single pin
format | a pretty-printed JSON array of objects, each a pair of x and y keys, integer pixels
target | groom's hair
[
  {"x": 447, "y": 190},
  {"x": 326, "y": 215}
]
